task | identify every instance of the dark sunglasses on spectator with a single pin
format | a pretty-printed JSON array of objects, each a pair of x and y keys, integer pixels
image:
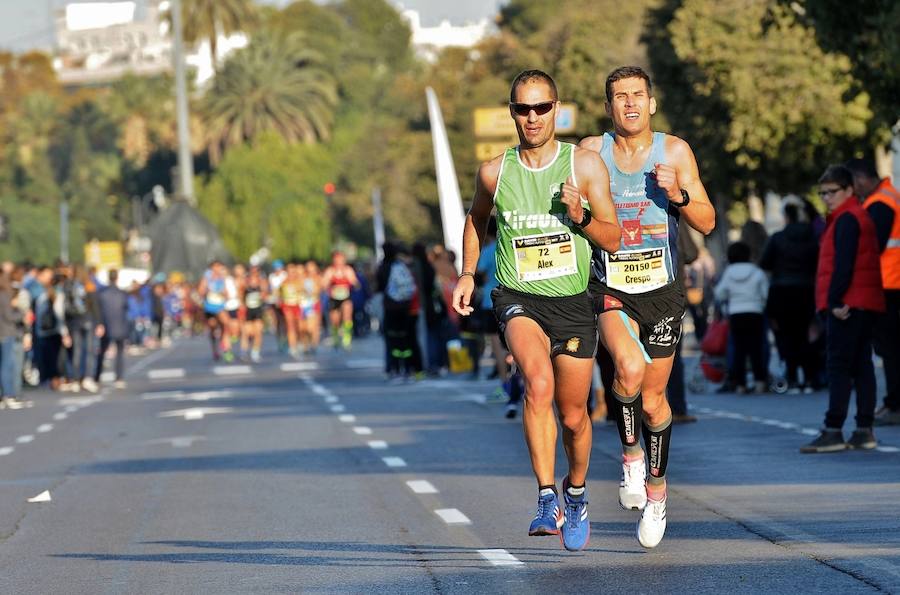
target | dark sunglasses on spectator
[{"x": 523, "y": 109}]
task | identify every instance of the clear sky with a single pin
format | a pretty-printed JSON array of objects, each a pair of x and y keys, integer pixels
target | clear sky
[{"x": 27, "y": 24}]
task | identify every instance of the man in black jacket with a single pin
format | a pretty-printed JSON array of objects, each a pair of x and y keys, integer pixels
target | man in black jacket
[{"x": 113, "y": 327}]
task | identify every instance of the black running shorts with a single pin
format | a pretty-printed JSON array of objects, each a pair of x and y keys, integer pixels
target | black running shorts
[
  {"x": 569, "y": 322},
  {"x": 658, "y": 313}
]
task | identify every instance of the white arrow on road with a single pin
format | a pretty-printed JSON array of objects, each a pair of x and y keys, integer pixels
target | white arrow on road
[
  {"x": 196, "y": 412},
  {"x": 42, "y": 497}
]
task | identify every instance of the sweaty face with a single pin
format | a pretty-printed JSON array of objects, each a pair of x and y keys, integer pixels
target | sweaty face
[
  {"x": 631, "y": 105},
  {"x": 535, "y": 130}
]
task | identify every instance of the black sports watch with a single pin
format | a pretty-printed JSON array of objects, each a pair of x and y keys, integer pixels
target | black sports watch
[
  {"x": 585, "y": 219},
  {"x": 686, "y": 199}
]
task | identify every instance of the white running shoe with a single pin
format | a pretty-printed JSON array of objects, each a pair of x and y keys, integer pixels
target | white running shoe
[
  {"x": 652, "y": 526},
  {"x": 632, "y": 490}
]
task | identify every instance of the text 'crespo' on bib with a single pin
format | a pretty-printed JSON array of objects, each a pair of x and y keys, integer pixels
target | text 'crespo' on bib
[
  {"x": 649, "y": 250},
  {"x": 539, "y": 250}
]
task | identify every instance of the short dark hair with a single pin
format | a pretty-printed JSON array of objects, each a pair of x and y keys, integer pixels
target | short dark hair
[
  {"x": 863, "y": 167},
  {"x": 627, "y": 72},
  {"x": 527, "y": 76},
  {"x": 791, "y": 213},
  {"x": 113, "y": 276},
  {"x": 837, "y": 174},
  {"x": 739, "y": 252}
]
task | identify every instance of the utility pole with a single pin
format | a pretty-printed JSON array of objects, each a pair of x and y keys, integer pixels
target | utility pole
[{"x": 185, "y": 159}]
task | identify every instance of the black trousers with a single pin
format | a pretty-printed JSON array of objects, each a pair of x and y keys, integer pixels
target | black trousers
[
  {"x": 747, "y": 331},
  {"x": 887, "y": 345},
  {"x": 791, "y": 311},
  {"x": 105, "y": 342},
  {"x": 849, "y": 365}
]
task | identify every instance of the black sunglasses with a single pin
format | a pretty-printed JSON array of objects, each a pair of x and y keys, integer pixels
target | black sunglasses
[{"x": 523, "y": 109}]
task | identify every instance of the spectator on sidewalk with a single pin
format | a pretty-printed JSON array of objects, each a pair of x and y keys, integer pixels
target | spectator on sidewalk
[
  {"x": 743, "y": 289},
  {"x": 10, "y": 334},
  {"x": 882, "y": 203},
  {"x": 849, "y": 295},
  {"x": 113, "y": 328},
  {"x": 791, "y": 256},
  {"x": 50, "y": 331}
]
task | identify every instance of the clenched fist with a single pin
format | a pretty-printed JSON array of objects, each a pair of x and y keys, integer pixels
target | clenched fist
[
  {"x": 571, "y": 197},
  {"x": 667, "y": 179}
]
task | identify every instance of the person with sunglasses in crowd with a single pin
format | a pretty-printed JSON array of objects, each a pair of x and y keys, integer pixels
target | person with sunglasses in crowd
[{"x": 552, "y": 203}]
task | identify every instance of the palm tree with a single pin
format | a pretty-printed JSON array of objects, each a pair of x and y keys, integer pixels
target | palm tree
[
  {"x": 207, "y": 19},
  {"x": 275, "y": 83}
]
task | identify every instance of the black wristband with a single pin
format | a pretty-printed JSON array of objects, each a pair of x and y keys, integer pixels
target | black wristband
[
  {"x": 585, "y": 220},
  {"x": 685, "y": 199}
]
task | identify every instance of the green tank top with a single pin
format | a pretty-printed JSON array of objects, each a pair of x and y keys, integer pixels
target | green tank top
[{"x": 539, "y": 250}]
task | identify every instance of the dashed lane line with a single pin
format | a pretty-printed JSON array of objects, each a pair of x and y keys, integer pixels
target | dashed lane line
[
  {"x": 6, "y": 450},
  {"x": 421, "y": 486},
  {"x": 378, "y": 444},
  {"x": 347, "y": 418},
  {"x": 500, "y": 557},
  {"x": 232, "y": 370},
  {"x": 338, "y": 408},
  {"x": 60, "y": 416},
  {"x": 299, "y": 366},
  {"x": 25, "y": 439},
  {"x": 166, "y": 374},
  {"x": 362, "y": 430},
  {"x": 452, "y": 516},
  {"x": 394, "y": 462},
  {"x": 44, "y": 428}
]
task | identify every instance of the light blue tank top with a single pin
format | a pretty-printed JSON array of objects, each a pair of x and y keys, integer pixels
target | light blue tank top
[{"x": 648, "y": 254}]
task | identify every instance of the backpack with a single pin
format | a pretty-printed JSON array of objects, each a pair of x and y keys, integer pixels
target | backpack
[
  {"x": 47, "y": 320},
  {"x": 401, "y": 287}
]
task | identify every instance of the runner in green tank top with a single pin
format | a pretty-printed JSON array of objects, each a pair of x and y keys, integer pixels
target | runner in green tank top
[{"x": 553, "y": 202}]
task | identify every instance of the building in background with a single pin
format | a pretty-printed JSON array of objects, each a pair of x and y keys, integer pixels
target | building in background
[
  {"x": 429, "y": 41},
  {"x": 99, "y": 42}
]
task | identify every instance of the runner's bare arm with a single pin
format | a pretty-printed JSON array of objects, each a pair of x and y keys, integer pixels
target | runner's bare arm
[
  {"x": 592, "y": 181},
  {"x": 351, "y": 274},
  {"x": 474, "y": 230},
  {"x": 592, "y": 143},
  {"x": 700, "y": 213}
]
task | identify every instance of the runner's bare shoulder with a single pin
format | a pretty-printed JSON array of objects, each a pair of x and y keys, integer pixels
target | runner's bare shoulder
[
  {"x": 589, "y": 162},
  {"x": 677, "y": 150},
  {"x": 592, "y": 143},
  {"x": 489, "y": 172}
]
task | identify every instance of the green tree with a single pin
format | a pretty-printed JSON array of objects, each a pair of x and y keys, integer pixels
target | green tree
[
  {"x": 274, "y": 84},
  {"x": 207, "y": 19},
  {"x": 270, "y": 193},
  {"x": 747, "y": 84}
]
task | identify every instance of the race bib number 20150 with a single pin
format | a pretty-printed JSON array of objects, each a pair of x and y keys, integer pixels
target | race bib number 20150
[
  {"x": 544, "y": 256},
  {"x": 637, "y": 271}
]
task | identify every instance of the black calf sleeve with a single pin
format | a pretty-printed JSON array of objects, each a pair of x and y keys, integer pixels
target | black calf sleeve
[
  {"x": 629, "y": 412},
  {"x": 657, "y": 439}
]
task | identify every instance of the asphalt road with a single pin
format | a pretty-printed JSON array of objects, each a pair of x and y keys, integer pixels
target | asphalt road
[{"x": 318, "y": 477}]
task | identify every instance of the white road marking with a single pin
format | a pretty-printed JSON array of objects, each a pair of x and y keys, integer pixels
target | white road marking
[
  {"x": 166, "y": 373},
  {"x": 809, "y": 431},
  {"x": 480, "y": 399},
  {"x": 887, "y": 449},
  {"x": 298, "y": 366},
  {"x": 452, "y": 516},
  {"x": 6, "y": 450},
  {"x": 331, "y": 399},
  {"x": 80, "y": 401},
  {"x": 347, "y": 418},
  {"x": 71, "y": 409},
  {"x": 42, "y": 497},
  {"x": 163, "y": 394},
  {"x": 178, "y": 441},
  {"x": 378, "y": 444},
  {"x": 338, "y": 408},
  {"x": 362, "y": 430},
  {"x": 365, "y": 363},
  {"x": 195, "y": 412},
  {"x": 25, "y": 439},
  {"x": 232, "y": 370},
  {"x": 60, "y": 416},
  {"x": 394, "y": 462},
  {"x": 320, "y": 390},
  {"x": 421, "y": 486},
  {"x": 500, "y": 558},
  {"x": 44, "y": 428}
]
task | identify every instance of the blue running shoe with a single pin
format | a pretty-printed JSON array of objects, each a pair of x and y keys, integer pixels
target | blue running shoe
[
  {"x": 549, "y": 515},
  {"x": 576, "y": 529}
]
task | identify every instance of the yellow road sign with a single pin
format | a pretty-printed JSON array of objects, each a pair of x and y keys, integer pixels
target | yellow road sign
[
  {"x": 496, "y": 121},
  {"x": 104, "y": 255}
]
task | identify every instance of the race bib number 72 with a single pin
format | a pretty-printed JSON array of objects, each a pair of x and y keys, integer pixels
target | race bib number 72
[{"x": 544, "y": 256}]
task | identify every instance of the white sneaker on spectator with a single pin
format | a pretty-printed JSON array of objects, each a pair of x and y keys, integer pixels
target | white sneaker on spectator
[
  {"x": 119, "y": 384},
  {"x": 89, "y": 385}
]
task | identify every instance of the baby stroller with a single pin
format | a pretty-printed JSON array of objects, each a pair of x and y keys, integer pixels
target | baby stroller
[{"x": 713, "y": 363}]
